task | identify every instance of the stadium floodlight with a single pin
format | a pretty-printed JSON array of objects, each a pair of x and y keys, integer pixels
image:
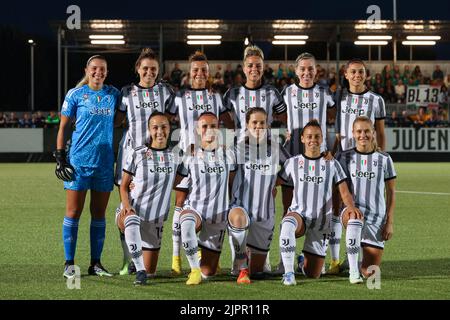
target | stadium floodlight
[
  {"x": 31, "y": 41},
  {"x": 204, "y": 37},
  {"x": 106, "y": 24},
  {"x": 381, "y": 37},
  {"x": 107, "y": 41},
  {"x": 371, "y": 43},
  {"x": 288, "y": 42},
  {"x": 418, "y": 43},
  {"x": 246, "y": 42},
  {"x": 203, "y": 24},
  {"x": 423, "y": 37},
  {"x": 106, "y": 37},
  {"x": 289, "y": 24},
  {"x": 291, "y": 37},
  {"x": 201, "y": 42}
]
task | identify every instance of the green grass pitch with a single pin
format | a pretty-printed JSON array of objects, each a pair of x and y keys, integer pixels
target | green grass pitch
[{"x": 416, "y": 263}]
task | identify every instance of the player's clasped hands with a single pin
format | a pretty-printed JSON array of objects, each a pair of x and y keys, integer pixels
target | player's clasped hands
[{"x": 64, "y": 170}]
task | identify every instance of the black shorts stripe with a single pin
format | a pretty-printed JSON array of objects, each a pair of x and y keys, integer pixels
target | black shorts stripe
[{"x": 364, "y": 244}]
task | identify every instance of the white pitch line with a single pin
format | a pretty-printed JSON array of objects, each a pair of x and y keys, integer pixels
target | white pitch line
[{"x": 420, "y": 192}]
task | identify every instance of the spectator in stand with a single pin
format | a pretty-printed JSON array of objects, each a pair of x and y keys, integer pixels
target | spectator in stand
[
  {"x": 322, "y": 77},
  {"x": 239, "y": 71},
  {"x": 3, "y": 120},
  {"x": 405, "y": 122},
  {"x": 387, "y": 72},
  {"x": 396, "y": 79},
  {"x": 400, "y": 91},
  {"x": 238, "y": 80},
  {"x": 417, "y": 72},
  {"x": 332, "y": 80},
  {"x": 268, "y": 76},
  {"x": 390, "y": 92},
  {"x": 218, "y": 84},
  {"x": 39, "y": 120},
  {"x": 186, "y": 81},
  {"x": 394, "y": 120},
  {"x": 433, "y": 121},
  {"x": 413, "y": 82},
  {"x": 420, "y": 118},
  {"x": 281, "y": 71},
  {"x": 26, "y": 122},
  {"x": 396, "y": 72},
  {"x": 176, "y": 75},
  {"x": 377, "y": 82},
  {"x": 228, "y": 75},
  {"x": 13, "y": 121},
  {"x": 438, "y": 74},
  {"x": 444, "y": 98},
  {"x": 406, "y": 73},
  {"x": 447, "y": 80},
  {"x": 52, "y": 120},
  {"x": 291, "y": 72}
]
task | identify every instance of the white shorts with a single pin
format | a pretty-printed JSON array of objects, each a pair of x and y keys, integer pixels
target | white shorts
[
  {"x": 371, "y": 235},
  {"x": 122, "y": 154},
  {"x": 316, "y": 241},
  {"x": 151, "y": 233},
  {"x": 260, "y": 233},
  {"x": 211, "y": 235}
]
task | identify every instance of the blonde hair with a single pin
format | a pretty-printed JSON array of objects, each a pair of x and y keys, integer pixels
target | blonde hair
[
  {"x": 253, "y": 51},
  {"x": 368, "y": 121},
  {"x": 305, "y": 56},
  {"x": 85, "y": 79}
]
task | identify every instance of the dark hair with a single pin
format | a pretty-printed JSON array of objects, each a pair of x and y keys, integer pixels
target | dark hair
[
  {"x": 198, "y": 56},
  {"x": 146, "y": 53},
  {"x": 155, "y": 114},
  {"x": 208, "y": 113},
  {"x": 254, "y": 110},
  {"x": 354, "y": 60},
  {"x": 312, "y": 123}
]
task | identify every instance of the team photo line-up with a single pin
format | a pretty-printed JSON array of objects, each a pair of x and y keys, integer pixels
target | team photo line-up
[{"x": 228, "y": 189}]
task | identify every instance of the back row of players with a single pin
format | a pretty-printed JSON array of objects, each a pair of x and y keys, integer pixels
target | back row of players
[{"x": 201, "y": 178}]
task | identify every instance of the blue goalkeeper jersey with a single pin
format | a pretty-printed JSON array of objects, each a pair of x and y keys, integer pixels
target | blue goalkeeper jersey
[{"x": 93, "y": 111}]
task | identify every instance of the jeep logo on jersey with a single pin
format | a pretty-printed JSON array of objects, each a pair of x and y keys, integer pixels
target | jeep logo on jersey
[
  {"x": 312, "y": 179},
  {"x": 203, "y": 107},
  {"x": 350, "y": 110},
  {"x": 150, "y": 104},
  {"x": 258, "y": 167},
  {"x": 306, "y": 105},
  {"x": 157, "y": 169},
  {"x": 363, "y": 174},
  {"x": 211, "y": 170},
  {"x": 100, "y": 112}
]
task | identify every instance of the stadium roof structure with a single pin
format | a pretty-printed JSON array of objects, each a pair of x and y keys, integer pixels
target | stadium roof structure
[{"x": 138, "y": 33}]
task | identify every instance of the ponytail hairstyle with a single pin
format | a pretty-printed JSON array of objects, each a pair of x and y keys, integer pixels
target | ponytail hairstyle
[
  {"x": 146, "y": 53},
  {"x": 198, "y": 56},
  {"x": 85, "y": 79},
  {"x": 253, "y": 51},
  {"x": 368, "y": 121}
]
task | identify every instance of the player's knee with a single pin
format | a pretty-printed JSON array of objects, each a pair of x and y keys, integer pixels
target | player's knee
[{"x": 237, "y": 218}]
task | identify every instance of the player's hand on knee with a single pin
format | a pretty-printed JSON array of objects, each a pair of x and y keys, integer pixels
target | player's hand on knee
[{"x": 64, "y": 169}]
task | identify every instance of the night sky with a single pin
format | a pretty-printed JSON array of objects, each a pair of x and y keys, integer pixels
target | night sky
[{"x": 21, "y": 20}]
